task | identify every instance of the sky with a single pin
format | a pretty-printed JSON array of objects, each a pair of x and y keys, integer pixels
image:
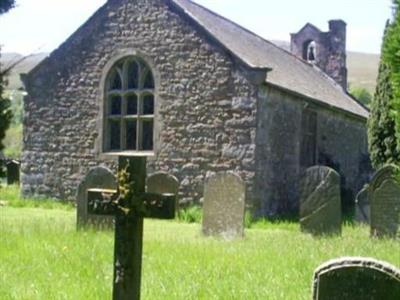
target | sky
[{"x": 42, "y": 25}]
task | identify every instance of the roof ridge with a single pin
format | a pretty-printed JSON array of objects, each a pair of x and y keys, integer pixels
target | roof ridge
[{"x": 249, "y": 31}]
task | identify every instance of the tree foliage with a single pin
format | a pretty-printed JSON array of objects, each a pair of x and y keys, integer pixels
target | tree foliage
[
  {"x": 381, "y": 125},
  {"x": 391, "y": 54},
  {"x": 362, "y": 95},
  {"x": 5, "y": 104},
  {"x": 6, "y": 5}
]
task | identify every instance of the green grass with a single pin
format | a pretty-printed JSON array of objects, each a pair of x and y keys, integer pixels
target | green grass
[
  {"x": 44, "y": 257},
  {"x": 12, "y": 198}
]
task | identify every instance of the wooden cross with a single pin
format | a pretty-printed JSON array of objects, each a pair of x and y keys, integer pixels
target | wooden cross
[{"x": 130, "y": 204}]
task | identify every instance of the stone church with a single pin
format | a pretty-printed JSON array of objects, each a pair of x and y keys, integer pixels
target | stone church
[{"x": 198, "y": 93}]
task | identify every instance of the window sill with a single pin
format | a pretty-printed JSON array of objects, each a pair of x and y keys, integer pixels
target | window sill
[{"x": 130, "y": 153}]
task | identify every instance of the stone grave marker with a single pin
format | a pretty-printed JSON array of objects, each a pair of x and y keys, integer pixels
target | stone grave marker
[
  {"x": 224, "y": 206},
  {"x": 385, "y": 202},
  {"x": 13, "y": 167},
  {"x": 163, "y": 183},
  {"x": 320, "y": 205},
  {"x": 130, "y": 204},
  {"x": 356, "y": 278},
  {"x": 362, "y": 214},
  {"x": 97, "y": 178}
]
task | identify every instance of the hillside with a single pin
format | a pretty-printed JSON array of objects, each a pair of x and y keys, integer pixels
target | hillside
[{"x": 362, "y": 67}]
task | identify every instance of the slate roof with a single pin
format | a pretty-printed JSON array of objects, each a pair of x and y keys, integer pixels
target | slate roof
[{"x": 288, "y": 71}]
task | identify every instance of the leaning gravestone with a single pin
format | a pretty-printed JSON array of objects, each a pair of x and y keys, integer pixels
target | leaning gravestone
[
  {"x": 97, "y": 178},
  {"x": 356, "y": 278},
  {"x": 224, "y": 205},
  {"x": 320, "y": 207},
  {"x": 362, "y": 206},
  {"x": 385, "y": 202},
  {"x": 163, "y": 183}
]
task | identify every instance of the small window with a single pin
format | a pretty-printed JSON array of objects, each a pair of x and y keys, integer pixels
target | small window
[
  {"x": 129, "y": 107},
  {"x": 308, "y": 155}
]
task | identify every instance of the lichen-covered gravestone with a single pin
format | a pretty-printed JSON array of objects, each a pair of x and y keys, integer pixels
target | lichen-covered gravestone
[
  {"x": 224, "y": 205},
  {"x": 320, "y": 207},
  {"x": 356, "y": 278},
  {"x": 385, "y": 202},
  {"x": 163, "y": 183},
  {"x": 97, "y": 178},
  {"x": 362, "y": 206}
]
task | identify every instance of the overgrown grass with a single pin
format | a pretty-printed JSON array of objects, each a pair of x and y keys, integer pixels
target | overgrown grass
[
  {"x": 10, "y": 196},
  {"x": 44, "y": 257},
  {"x": 191, "y": 214}
]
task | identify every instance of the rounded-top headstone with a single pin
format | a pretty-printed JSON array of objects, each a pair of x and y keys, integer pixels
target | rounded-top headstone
[
  {"x": 224, "y": 205},
  {"x": 320, "y": 205},
  {"x": 98, "y": 177},
  {"x": 384, "y": 200},
  {"x": 162, "y": 183},
  {"x": 356, "y": 278}
]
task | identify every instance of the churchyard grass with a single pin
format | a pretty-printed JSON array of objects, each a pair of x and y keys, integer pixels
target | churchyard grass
[{"x": 44, "y": 257}]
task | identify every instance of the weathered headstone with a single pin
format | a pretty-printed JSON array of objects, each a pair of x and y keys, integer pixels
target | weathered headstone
[
  {"x": 163, "y": 183},
  {"x": 13, "y": 168},
  {"x": 362, "y": 206},
  {"x": 385, "y": 202},
  {"x": 224, "y": 205},
  {"x": 97, "y": 178},
  {"x": 320, "y": 206},
  {"x": 356, "y": 278},
  {"x": 130, "y": 204}
]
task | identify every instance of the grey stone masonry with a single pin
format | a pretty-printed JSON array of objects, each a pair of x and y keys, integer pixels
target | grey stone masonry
[
  {"x": 216, "y": 105},
  {"x": 205, "y": 101},
  {"x": 329, "y": 49}
]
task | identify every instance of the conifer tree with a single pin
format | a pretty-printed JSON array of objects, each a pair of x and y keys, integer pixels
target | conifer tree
[
  {"x": 391, "y": 53},
  {"x": 5, "y": 112},
  {"x": 381, "y": 124}
]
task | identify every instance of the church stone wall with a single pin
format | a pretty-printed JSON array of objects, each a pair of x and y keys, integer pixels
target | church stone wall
[
  {"x": 341, "y": 144},
  {"x": 205, "y": 112}
]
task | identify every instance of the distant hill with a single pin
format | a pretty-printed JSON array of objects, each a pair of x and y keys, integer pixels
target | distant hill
[{"x": 362, "y": 67}]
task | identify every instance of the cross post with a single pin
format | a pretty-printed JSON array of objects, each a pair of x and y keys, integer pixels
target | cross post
[{"x": 130, "y": 204}]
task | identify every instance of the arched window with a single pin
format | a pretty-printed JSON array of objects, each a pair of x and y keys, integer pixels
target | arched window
[
  {"x": 129, "y": 107},
  {"x": 310, "y": 51}
]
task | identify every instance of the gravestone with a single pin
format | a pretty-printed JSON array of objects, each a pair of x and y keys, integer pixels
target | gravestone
[
  {"x": 13, "y": 168},
  {"x": 97, "y": 178},
  {"x": 362, "y": 206},
  {"x": 320, "y": 205},
  {"x": 385, "y": 202},
  {"x": 130, "y": 204},
  {"x": 224, "y": 205},
  {"x": 356, "y": 278},
  {"x": 163, "y": 183}
]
